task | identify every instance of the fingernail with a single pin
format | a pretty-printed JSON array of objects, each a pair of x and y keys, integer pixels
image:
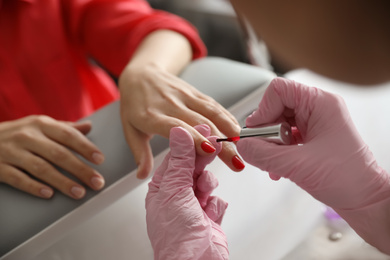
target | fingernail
[
  {"x": 77, "y": 192},
  {"x": 98, "y": 157},
  {"x": 207, "y": 147},
  {"x": 46, "y": 192},
  {"x": 97, "y": 182},
  {"x": 238, "y": 163}
]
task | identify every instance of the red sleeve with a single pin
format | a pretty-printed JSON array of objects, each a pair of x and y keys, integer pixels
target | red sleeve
[{"x": 110, "y": 30}]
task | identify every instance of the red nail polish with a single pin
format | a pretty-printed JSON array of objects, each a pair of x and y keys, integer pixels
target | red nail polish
[
  {"x": 207, "y": 147},
  {"x": 238, "y": 163}
]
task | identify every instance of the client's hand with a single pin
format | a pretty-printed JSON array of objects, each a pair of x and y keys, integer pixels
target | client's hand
[
  {"x": 333, "y": 164},
  {"x": 34, "y": 145},
  {"x": 154, "y": 100},
  {"x": 183, "y": 220}
]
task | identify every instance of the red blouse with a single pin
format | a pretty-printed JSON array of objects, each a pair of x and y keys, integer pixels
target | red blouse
[{"x": 46, "y": 49}]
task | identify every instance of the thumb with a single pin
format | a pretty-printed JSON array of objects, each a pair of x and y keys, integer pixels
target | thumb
[
  {"x": 280, "y": 160},
  {"x": 142, "y": 152},
  {"x": 181, "y": 164}
]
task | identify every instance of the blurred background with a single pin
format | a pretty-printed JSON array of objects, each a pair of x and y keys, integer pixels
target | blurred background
[{"x": 224, "y": 33}]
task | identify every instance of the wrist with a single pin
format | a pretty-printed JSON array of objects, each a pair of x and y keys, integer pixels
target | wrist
[
  {"x": 133, "y": 73},
  {"x": 164, "y": 49},
  {"x": 371, "y": 223}
]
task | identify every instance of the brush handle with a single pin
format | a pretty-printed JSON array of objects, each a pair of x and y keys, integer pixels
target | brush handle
[{"x": 279, "y": 133}]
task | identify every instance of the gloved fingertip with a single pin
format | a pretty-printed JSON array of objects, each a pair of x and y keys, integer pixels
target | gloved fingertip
[
  {"x": 180, "y": 141},
  {"x": 273, "y": 176},
  {"x": 217, "y": 145},
  {"x": 207, "y": 182},
  {"x": 251, "y": 119}
]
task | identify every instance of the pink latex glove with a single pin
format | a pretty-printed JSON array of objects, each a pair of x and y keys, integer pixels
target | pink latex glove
[
  {"x": 183, "y": 220},
  {"x": 334, "y": 164}
]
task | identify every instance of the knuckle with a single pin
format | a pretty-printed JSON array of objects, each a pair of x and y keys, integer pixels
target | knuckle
[
  {"x": 23, "y": 135},
  {"x": 208, "y": 99},
  {"x": 201, "y": 121},
  {"x": 149, "y": 114},
  {"x": 40, "y": 120},
  {"x": 214, "y": 111},
  {"x": 66, "y": 133}
]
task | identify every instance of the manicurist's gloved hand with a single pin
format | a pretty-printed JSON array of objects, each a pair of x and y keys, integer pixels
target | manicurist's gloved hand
[
  {"x": 183, "y": 220},
  {"x": 334, "y": 164}
]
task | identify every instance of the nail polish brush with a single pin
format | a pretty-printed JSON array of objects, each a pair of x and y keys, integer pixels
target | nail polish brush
[{"x": 279, "y": 133}]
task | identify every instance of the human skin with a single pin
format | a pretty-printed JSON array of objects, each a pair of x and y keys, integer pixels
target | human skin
[
  {"x": 34, "y": 144},
  {"x": 154, "y": 99},
  {"x": 344, "y": 40}
]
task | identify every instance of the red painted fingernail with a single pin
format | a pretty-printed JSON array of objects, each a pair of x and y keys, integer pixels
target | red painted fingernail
[
  {"x": 207, "y": 147},
  {"x": 238, "y": 163}
]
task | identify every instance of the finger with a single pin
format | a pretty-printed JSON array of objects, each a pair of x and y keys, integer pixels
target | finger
[
  {"x": 65, "y": 159},
  {"x": 205, "y": 148},
  {"x": 166, "y": 123},
  {"x": 142, "y": 152},
  {"x": 206, "y": 183},
  {"x": 215, "y": 112},
  {"x": 230, "y": 157},
  {"x": 203, "y": 129},
  {"x": 21, "y": 181},
  {"x": 181, "y": 165},
  {"x": 199, "y": 102},
  {"x": 44, "y": 171},
  {"x": 227, "y": 154},
  {"x": 83, "y": 126},
  {"x": 154, "y": 184},
  {"x": 284, "y": 98},
  {"x": 280, "y": 160},
  {"x": 274, "y": 176},
  {"x": 203, "y": 161},
  {"x": 73, "y": 139},
  {"x": 271, "y": 105},
  {"x": 215, "y": 209}
]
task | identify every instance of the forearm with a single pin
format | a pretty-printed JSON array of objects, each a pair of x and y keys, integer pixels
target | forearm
[
  {"x": 372, "y": 220},
  {"x": 371, "y": 223},
  {"x": 168, "y": 50}
]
